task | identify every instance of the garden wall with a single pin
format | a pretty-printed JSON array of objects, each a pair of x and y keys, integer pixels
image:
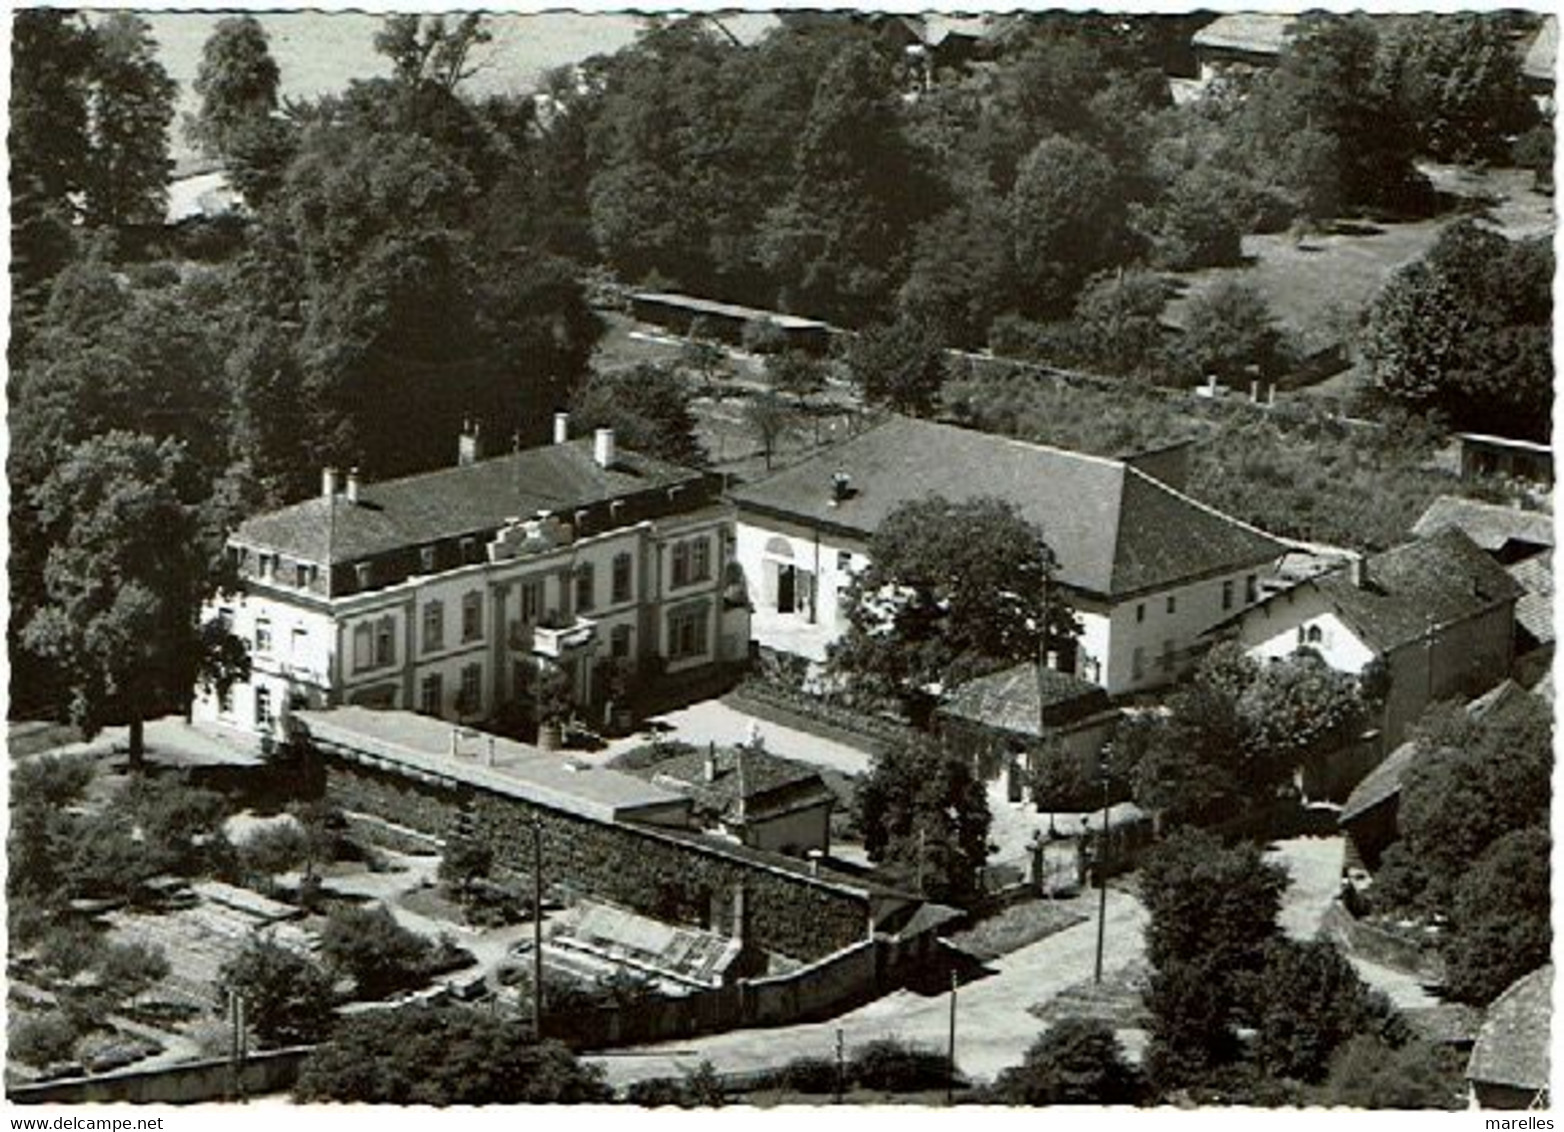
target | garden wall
[
  {"x": 1355, "y": 937},
  {"x": 194, "y": 1082},
  {"x": 670, "y": 876}
]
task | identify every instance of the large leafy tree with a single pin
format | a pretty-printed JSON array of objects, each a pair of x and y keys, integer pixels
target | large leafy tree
[
  {"x": 444, "y": 1056},
  {"x": 1069, "y": 220},
  {"x": 1467, "y": 332},
  {"x": 238, "y": 120},
  {"x": 1075, "y": 1061},
  {"x": 924, "y": 813},
  {"x": 130, "y": 109},
  {"x": 123, "y": 581},
  {"x": 838, "y": 242},
  {"x": 288, "y": 997},
  {"x": 1307, "y": 1001},
  {"x": 379, "y": 954},
  {"x": 1501, "y": 917},
  {"x": 647, "y": 406},
  {"x": 900, "y": 365},
  {"x": 952, "y": 590},
  {"x": 1231, "y": 333}
]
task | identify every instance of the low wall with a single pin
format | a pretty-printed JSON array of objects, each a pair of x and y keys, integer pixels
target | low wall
[
  {"x": 1355, "y": 937},
  {"x": 818, "y": 990},
  {"x": 193, "y": 1082},
  {"x": 663, "y": 875},
  {"x": 815, "y": 716}
]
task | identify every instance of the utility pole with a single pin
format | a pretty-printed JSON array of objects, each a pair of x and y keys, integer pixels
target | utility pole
[
  {"x": 537, "y": 930},
  {"x": 841, "y": 1066},
  {"x": 950, "y": 1065},
  {"x": 1102, "y": 870}
]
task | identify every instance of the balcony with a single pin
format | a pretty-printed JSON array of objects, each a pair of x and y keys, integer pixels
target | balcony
[{"x": 553, "y": 641}]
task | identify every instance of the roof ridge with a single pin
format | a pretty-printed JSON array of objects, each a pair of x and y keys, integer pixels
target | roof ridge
[{"x": 1212, "y": 511}]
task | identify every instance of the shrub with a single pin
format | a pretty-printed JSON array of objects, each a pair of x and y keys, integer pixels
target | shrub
[
  {"x": 288, "y": 997},
  {"x": 380, "y": 955},
  {"x": 54, "y": 780},
  {"x": 698, "y": 1088},
  {"x": 895, "y": 1067},
  {"x": 43, "y": 1040},
  {"x": 810, "y": 1075}
]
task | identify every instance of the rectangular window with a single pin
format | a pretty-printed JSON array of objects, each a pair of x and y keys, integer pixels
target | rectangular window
[
  {"x": 471, "y": 701},
  {"x": 1167, "y": 656},
  {"x": 1251, "y": 589},
  {"x": 469, "y": 550},
  {"x": 426, "y": 559},
  {"x": 1172, "y": 604},
  {"x": 472, "y": 616},
  {"x": 263, "y": 707},
  {"x": 363, "y": 648},
  {"x": 586, "y": 587},
  {"x": 225, "y": 620},
  {"x": 434, "y": 626},
  {"x": 303, "y": 574},
  {"x": 691, "y": 561},
  {"x": 364, "y": 573},
  {"x": 299, "y": 645},
  {"x": 844, "y": 560},
  {"x": 263, "y": 635},
  {"x": 619, "y": 642},
  {"x": 624, "y": 564},
  {"x": 385, "y": 642},
  {"x": 1137, "y": 663},
  {"x": 1140, "y": 613},
  {"x": 225, "y": 700},
  {"x": 1227, "y": 595},
  {"x": 687, "y": 633},
  {"x": 532, "y": 601},
  {"x": 430, "y": 694}
]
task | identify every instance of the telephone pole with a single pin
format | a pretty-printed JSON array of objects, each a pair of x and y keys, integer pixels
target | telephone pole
[
  {"x": 950, "y": 1057},
  {"x": 537, "y": 930},
  {"x": 1102, "y": 871}
]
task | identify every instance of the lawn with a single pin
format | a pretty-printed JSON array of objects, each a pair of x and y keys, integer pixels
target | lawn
[{"x": 1018, "y": 926}]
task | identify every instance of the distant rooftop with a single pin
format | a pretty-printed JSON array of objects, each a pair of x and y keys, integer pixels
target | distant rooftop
[
  {"x": 1489, "y": 525},
  {"x": 1020, "y": 698},
  {"x": 455, "y": 501},
  {"x": 1514, "y": 1042},
  {"x": 1115, "y": 530},
  {"x": 1254, "y": 33},
  {"x": 768, "y": 784},
  {"x": 554, "y": 780},
  {"x": 1541, "y": 58},
  {"x": 1534, "y": 608}
]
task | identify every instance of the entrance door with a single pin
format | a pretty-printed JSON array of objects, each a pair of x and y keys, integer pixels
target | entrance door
[{"x": 787, "y": 589}]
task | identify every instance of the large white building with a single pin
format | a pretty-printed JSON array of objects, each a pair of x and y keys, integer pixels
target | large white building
[
  {"x": 1146, "y": 569},
  {"x": 442, "y": 592}
]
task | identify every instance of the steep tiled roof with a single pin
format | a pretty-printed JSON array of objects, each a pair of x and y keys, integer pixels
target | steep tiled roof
[
  {"x": 1534, "y": 609},
  {"x": 1513, "y": 1045},
  {"x": 771, "y": 784},
  {"x": 1015, "y": 699},
  {"x": 1115, "y": 530},
  {"x": 456, "y": 501},
  {"x": 1434, "y": 581},
  {"x": 1258, "y": 33},
  {"x": 1489, "y": 525}
]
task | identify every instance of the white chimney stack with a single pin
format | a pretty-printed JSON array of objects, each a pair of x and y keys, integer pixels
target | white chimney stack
[
  {"x": 353, "y": 485},
  {"x": 561, "y": 427},
  {"x": 328, "y": 482},
  {"x": 1359, "y": 572},
  {"x": 603, "y": 447}
]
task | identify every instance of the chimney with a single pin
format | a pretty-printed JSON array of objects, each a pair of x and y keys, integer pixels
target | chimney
[
  {"x": 561, "y": 427},
  {"x": 1359, "y": 572},
  {"x": 469, "y": 448},
  {"x": 841, "y": 487},
  {"x": 488, "y": 754},
  {"x": 353, "y": 482},
  {"x": 328, "y": 482},
  {"x": 455, "y": 731},
  {"x": 1254, "y": 392},
  {"x": 710, "y": 766},
  {"x": 603, "y": 447}
]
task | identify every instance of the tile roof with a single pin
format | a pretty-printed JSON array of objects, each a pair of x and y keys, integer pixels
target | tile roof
[
  {"x": 1541, "y": 56},
  {"x": 1513, "y": 1045},
  {"x": 455, "y": 501},
  {"x": 1016, "y": 699},
  {"x": 1115, "y": 530},
  {"x": 1259, "y": 33},
  {"x": 1438, "y": 580},
  {"x": 421, "y": 744},
  {"x": 1534, "y": 609},
  {"x": 1489, "y": 525},
  {"x": 771, "y": 784}
]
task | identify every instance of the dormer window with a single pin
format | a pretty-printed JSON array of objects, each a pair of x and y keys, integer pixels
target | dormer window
[
  {"x": 469, "y": 550},
  {"x": 365, "y": 574},
  {"x": 426, "y": 559}
]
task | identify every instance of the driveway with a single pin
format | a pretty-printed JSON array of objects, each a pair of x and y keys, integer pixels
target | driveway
[
  {"x": 1313, "y": 867},
  {"x": 993, "y": 1027}
]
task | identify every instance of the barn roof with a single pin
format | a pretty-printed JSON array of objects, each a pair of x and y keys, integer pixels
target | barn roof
[{"x": 1513, "y": 1045}]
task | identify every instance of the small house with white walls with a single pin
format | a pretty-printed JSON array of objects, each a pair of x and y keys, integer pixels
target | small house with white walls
[
  {"x": 445, "y": 593},
  {"x": 1146, "y": 569},
  {"x": 1437, "y": 617}
]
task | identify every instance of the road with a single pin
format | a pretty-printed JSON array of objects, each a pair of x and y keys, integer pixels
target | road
[{"x": 993, "y": 1028}]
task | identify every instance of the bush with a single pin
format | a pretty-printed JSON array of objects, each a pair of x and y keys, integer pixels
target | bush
[
  {"x": 1077, "y": 1061},
  {"x": 53, "y": 780},
  {"x": 810, "y": 1075},
  {"x": 288, "y": 997},
  {"x": 43, "y": 1040},
  {"x": 699, "y": 1088},
  {"x": 380, "y": 955},
  {"x": 894, "y": 1067}
]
